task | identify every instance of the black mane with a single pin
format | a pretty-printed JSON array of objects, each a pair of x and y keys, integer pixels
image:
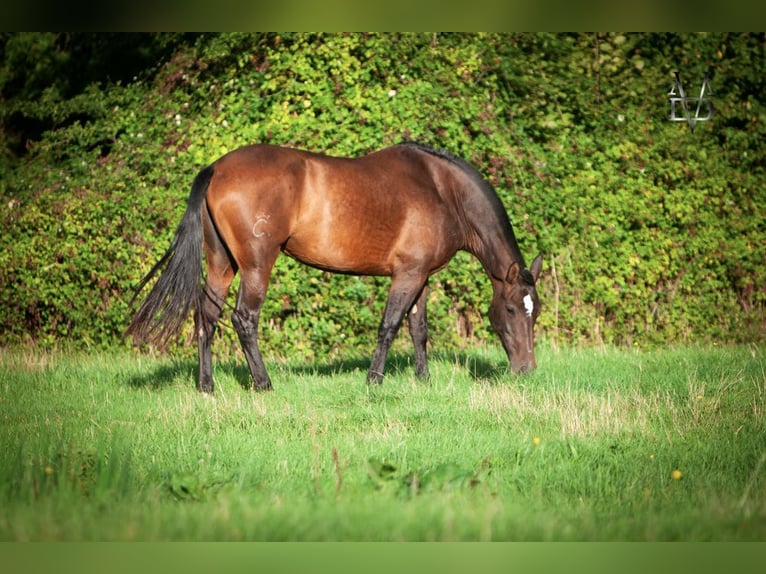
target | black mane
[
  {"x": 469, "y": 170},
  {"x": 526, "y": 276},
  {"x": 437, "y": 153}
]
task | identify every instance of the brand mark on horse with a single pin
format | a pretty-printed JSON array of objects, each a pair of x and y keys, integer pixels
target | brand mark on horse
[{"x": 258, "y": 222}]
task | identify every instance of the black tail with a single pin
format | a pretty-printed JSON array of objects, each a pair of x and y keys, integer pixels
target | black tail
[{"x": 179, "y": 287}]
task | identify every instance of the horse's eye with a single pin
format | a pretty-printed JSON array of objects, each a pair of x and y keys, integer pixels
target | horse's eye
[{"x": 511, "y": 311}]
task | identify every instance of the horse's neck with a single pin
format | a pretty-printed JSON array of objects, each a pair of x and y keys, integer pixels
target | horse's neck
[
  {"x": 491, "y": 239},
  {"x": 487, "y": 231},
  {"x": 498, "y": 252}
]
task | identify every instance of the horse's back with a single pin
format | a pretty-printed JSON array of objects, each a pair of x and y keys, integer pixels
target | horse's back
[{"x": 362, "y": 215}]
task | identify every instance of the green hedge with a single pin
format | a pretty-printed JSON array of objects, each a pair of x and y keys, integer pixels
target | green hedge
[{"x": 651, "y": 234}]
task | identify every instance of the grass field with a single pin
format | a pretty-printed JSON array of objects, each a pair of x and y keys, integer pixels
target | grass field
[{"x": 597, "y": 444}]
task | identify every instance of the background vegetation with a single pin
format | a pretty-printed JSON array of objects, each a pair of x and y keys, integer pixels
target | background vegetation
[{"x": 650, "y": 233}]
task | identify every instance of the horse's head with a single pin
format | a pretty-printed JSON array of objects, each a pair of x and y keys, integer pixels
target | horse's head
[{"x": 513, "y": 312}]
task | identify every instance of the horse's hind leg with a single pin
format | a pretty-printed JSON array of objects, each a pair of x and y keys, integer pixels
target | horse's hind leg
[
  {"x": 254, "y": 281},
  {"x": 205, "y": 320},
  {"x": 419, "y": 331},
  {"x": 220, "y": 272}
]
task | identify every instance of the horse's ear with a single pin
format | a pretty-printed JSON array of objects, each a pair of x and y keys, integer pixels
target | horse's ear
[
  {"x": 537, "y": 266},
  {"x": 513, "y": 272}
]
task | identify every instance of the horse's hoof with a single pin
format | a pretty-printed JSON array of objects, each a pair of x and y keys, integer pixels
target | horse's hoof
[{"x": 374, "y": 378}]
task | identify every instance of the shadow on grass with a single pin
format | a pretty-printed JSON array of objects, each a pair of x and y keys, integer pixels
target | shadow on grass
[
  {"x": 397, "y": 364},
  {"x": 166, "y": 374}
]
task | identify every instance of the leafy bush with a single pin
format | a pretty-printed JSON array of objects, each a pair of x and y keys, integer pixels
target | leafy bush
[{"x": 650, "y": 233}]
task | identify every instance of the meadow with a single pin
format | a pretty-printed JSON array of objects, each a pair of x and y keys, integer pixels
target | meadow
[{"x": 599, "y": 444}]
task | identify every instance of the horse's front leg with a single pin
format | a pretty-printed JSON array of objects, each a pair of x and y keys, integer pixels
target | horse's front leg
[
  {"x": 404, "y": 290},
  {"x": 418, "y": 324}
]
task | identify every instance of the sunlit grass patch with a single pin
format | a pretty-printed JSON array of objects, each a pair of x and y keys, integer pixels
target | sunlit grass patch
[{"x": 597, "y": 444}]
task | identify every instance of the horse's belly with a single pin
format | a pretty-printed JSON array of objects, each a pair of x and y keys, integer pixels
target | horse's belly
[{"x": 356, "y": 255}]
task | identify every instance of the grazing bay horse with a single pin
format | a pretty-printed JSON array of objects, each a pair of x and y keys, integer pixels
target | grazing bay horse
[{"x": 401, "y": 212}]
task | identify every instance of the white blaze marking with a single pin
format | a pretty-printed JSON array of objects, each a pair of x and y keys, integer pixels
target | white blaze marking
[
  {"x": 529, "y": 306},
  {"x": 414, "y": 310}
]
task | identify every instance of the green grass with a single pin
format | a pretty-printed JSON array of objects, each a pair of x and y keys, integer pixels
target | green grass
[{"x": 121, "y": 447}]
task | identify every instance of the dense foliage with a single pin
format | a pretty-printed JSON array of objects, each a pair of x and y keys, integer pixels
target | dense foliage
[{"x": 650, "y": 233}]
